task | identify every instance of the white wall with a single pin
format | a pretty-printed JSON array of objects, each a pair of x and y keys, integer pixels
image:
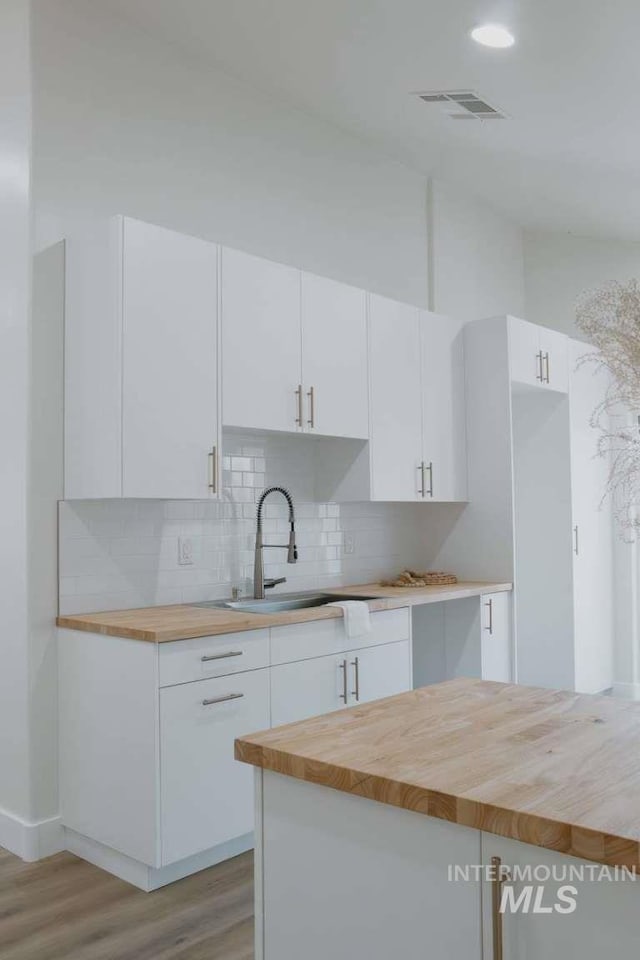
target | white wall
[
  {"x": 15, "y": 123},
  {"x": 127, "y": 125},
  {"x": 560, "y": 267},
  {"x": 476, "y": 257}
]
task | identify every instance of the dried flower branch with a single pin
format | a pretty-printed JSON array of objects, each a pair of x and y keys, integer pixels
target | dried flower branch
[{"x": 610, "y": 318}]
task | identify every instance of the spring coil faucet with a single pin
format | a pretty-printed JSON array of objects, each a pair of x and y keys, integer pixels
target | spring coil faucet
[{"x": 259, "y": 583}]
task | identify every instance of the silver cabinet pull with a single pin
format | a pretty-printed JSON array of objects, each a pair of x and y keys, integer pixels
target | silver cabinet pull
[
  {"x": 489, "y": 627},
  {"x": 430, "y": 469},
  {"x": 221, "y": 656},
  {"x": 576, "y": 542},
  {"x": 345, "y": 693},
  {"x": 498, "y": 877},
  {"x": 299, "y": 397},
  {"x": 539, "y": 374},
  {"x": 421, "y": 470},
  {"x": 228, "y": 696},
  {"x": 356, "y": 664},
  {"x": 312, "y": 407},
  {"x": 213, "y": 469},
  {"x": 546, "y": 361}
]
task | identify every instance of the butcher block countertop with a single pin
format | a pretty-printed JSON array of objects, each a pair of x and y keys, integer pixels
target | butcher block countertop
[
  {"x": 181, "y": 621},
  {"x": 551, "y": 768}
]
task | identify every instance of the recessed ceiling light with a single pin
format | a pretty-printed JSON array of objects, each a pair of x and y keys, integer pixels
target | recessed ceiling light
[{"x": 493, "y": 35}]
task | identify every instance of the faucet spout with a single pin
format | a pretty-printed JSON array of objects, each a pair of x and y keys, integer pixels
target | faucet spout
[{"x": 259, "y": 584}]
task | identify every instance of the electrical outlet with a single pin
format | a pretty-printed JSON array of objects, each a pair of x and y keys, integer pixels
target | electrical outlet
[
  {"x": 185, "y": 551},
  {"x": 349, "y": 545}
]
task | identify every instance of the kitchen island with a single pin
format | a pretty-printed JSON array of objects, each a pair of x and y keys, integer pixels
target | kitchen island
[{"x": 387, "y": 829}]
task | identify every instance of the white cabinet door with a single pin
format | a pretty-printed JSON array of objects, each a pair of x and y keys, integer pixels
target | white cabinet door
[
  {"x": 206, "y": 795},
  {"x": 334, "y": 358},
  {"x": 141, "y": 363},
  {"x": 169, "y": 348},
  {"x": 396, "y": 400},
  {"x": 538, "y": 356},
  {"x": 496, "y": 643},
  {"x": 443, "y": 407},
  {"x": 554, "y": 348},
  {"x": 378, "y": 672},
  {"x": 525, "y": 352},
  {"x": 93, "y": 362},
  {"x": 309, "y": 688},
  {"x": 574, "y": 918},
  {"x": 261, "y": 351},
  {"x": 592, "y": 533}
]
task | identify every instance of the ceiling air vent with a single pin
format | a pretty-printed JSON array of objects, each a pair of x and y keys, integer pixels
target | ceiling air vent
[{"x": 462, "y": 105}]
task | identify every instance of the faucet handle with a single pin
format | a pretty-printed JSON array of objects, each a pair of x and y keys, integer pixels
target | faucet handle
[{"x": 274, "y": 583}]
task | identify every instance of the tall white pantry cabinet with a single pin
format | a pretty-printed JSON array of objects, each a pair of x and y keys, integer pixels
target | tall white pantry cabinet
[{"x": 537, "y": 488}]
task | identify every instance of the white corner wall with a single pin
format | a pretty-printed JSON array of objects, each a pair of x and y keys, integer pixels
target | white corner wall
[{"x": 476, "y": 257}]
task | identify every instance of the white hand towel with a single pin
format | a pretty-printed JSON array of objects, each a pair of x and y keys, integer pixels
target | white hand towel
[{"x": 357, "y": 619}]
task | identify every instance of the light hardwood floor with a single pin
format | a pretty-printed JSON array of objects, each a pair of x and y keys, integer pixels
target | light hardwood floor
[{"x": 65, "y": 909}]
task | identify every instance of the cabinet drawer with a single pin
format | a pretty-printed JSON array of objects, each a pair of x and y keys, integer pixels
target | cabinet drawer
[
  {"x": 320, "y": 638},
  {"x": 206, "y": 795},
  {"x": 184, "y": 660}
]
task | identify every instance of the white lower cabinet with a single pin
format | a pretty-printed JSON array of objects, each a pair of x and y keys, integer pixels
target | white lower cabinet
[
  {"x": 149, "y": 787},
  {"x": 469, "y": 637},
  {"x": 381, "y": 671},
  {"x": 206, "y": 797},
  {"x": 322, "y": 684},
  {"x": 551, "y": 915},
  {"x": 496, "y": 645},
  {"x": 308, "y": 688}
]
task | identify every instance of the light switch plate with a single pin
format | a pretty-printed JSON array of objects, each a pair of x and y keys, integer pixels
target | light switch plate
[{"x": 349, "y": 544}]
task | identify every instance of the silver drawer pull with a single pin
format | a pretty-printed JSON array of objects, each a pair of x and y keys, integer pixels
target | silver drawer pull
[
  {"x": 229, "y": 696},
  {"x": 221, "y": 656}
]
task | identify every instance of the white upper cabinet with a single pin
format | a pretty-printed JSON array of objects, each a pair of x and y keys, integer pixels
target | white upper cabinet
[
  {"x": 334, "y": 358},
  {"x": 141, "y": 363},
  {"x": 443, "y": 408},
  {"x": 294, "y": 350},
  {"x": 261, "y": 344},
  {"x": 554, "y": 347},
  {"x": 538, "y": 356},
  {"x": 396, "y": 400},
  {"x": 169, "y": 345},
  {"x": 418, "y": 435}
]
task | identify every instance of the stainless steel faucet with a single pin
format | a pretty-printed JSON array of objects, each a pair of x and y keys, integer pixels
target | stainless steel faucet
[{"x": 259, "y": 583}]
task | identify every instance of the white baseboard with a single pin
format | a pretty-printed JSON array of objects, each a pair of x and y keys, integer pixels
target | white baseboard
[
  {"x": 627, "y": 691},
  {"x": 31, "y": 841},
  {"x": 140, "y": 874}
]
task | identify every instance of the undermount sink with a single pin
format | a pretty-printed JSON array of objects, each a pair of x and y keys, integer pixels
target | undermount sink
[{"x": 300, "y": 601}]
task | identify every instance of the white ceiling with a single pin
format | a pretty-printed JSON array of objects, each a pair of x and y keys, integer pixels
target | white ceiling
[{"x": 569, "y": 157}]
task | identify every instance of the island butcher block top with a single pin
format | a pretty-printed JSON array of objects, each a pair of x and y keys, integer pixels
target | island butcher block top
[
  {"x": 551, "y": 768},
  {"x": 182, "y": 621}
]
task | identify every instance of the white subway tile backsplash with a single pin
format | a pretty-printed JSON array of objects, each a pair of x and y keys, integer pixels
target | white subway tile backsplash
[{"x": 117, "y": 554}]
